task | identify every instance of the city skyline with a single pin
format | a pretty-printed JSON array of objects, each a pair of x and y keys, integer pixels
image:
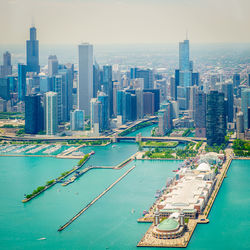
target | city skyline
[{"x": 125, "y": 22}]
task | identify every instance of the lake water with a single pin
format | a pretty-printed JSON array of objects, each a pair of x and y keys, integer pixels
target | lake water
[{"x": 110, "y": 223}]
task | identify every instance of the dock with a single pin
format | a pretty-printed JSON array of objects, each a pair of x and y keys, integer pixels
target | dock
[{"x": 93, "y": 201}]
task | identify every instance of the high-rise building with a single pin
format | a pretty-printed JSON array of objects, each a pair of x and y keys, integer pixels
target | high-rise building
[
  {"x": 96, "y": 79},
  {"x": 4, "y": 88},
  {"x": 32, "y": 52},
  {"x": 145, "y": 74},
  {"x": 120, "y": 94},
  {"x": 85, "y": 77},
  {"x": 6, "y": 68},
  {"x": 173, "y": 89},
  {"x": 185, "y": 74},
  {"x": 165, "y": 119},
  {"x": 156, "y": 93},
  {"x": 248, "y": 80},
  {"x": 21, "y": 81},
  {"x": 77, "y": 120},
  {"x": 215, "y": 118},
  {"x": 52, "y": 65},
  {"x": 34, "y": 115},
  {"x": 148, "y": 103},
  {"x": 240, "y": 125},
  {"x": 95, "y": 108},
  {"x": 245, "y": 105},
  {"x": 104, "y": 111},
  {"x": 51, "y": 119},
  {"x": 108, "y": 86},
  {"x": 195, "y": 79},
  {"x": 236, "y": 80},
  {"x": 200, "y": 114},
  {"x": 227, "y": 89},
  {"x": 139, "y": 103}
]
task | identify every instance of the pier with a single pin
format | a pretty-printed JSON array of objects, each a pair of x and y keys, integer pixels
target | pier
[
  {"x": 93, "y": 201},
  {"x": 149, "y": 240}
]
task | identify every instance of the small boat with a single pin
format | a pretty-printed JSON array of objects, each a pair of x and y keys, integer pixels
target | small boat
[
  {"x": 158, "y": 194},
  {"x": 175, "y": 170},
  {"x": 92, "y": 153},
  {"x": 113, "y": 146},
  {"x": 145, "y": 212},
  {"x": 42, "y": 238},
  {"x": 132, "y": 211}
]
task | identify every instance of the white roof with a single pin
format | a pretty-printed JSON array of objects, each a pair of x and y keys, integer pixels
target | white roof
[{"x": 203, "y": 167}]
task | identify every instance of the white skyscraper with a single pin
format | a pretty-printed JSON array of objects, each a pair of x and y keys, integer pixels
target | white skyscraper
[
  {"x": 85, "y": 77},
  {"x": 51, "y": 113}
]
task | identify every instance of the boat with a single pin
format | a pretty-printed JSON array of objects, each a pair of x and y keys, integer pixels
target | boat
[
  {"x": 145, "y": 212},
  {"x": 92, "y": 152},
  {"x": 175, "y": 170},
  {"x": 42, "y": 238},
  {"x": 133, "y": 211},
  {"x": 158, "y": 194},
  {"x": 113, "y": 146}
]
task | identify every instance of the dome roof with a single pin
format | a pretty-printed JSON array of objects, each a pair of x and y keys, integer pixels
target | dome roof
[
  {"x": 168, "y": 225},
  {"x": 203, "y": 167}
]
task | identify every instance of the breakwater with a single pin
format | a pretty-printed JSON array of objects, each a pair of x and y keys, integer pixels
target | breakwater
[{"x": 93, "y": 201}]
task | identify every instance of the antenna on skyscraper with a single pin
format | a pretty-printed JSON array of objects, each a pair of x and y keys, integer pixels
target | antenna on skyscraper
[
  {"x": 186, "y": 34},
  {"x": 32, "y": 22}
]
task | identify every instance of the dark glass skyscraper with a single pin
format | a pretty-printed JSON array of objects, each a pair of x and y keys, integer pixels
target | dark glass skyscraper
[
  {"x": 215, "y": 118},
  {"x": 34, "y": 116},
  {"x": 21, "y": 81},
  {"x": 4, "y": 88},
  {"x": 32, "y": 52},
  {"x": 108, "y": 86},
  {"x": 200, "y": 114},
  {"x": 104, "y": 116}
]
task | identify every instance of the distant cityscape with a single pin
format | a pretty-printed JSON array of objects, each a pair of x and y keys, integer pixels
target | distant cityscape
[{"x": 59, "y": 100}]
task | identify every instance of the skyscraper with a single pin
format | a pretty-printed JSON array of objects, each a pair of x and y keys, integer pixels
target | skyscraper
[
  {"x": 4, "y": 88},
  {"x": 200, "y": 114},
  {"x": 148, "y": 103},
  {"x": 185, "y": 74},
  {"x": 85, "y": 76},
  {"x": 34, "y": 116},
  {"x": 51, "y": 120},
  {"x": 95, "y": 107},
  {"x": 215, "y": 118},
  {"x": 77, "y": 120},
  {"x": 6, "y": 68},
  {"x": 104, "y": 109},
  {"x": 245, "y": 105},
  {"x": 32, "y": 52},
  {"x": 21, "y": 81},
  {"x": 108, "y": 86},
  {"x": 96, "y": 79},
  {"x": 52, "y": 65}
]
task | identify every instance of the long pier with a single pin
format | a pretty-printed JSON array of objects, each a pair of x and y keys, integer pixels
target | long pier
[
  {"x": 149, "y": 241},
  {"x": 93, "y": 201}
]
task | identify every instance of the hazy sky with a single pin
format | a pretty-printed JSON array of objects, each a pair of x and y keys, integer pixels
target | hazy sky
[{"x": 125, "y": 21}]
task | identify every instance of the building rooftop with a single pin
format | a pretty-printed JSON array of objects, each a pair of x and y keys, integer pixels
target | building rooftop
[{"x": 168, "y": 225}]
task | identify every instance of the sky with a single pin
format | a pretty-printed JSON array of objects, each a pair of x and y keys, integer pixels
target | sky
[{"x": 125, "y": 21}]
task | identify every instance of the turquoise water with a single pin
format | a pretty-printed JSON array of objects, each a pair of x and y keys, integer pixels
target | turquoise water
[
  {"x": 111, "y": 154},
  {"x": 144, "y": 131},
  {"x": 109, "y": 223}
]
